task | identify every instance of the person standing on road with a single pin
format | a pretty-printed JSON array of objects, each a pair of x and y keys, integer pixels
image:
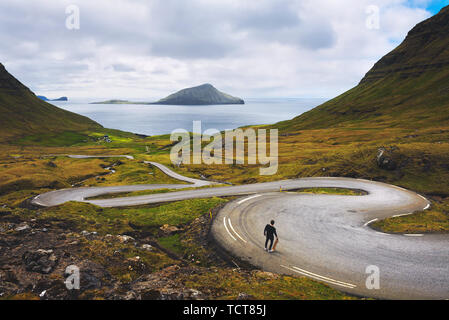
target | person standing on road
[{"x": 269, "y": 233}]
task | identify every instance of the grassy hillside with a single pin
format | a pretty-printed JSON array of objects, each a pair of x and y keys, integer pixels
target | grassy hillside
[
  {"x": 22, "y": 113},
  {"x": 408, "y": 88}
]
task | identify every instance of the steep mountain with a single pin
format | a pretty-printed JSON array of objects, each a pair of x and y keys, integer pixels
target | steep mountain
[
  {"x": 409, "y": 87},
  {"x": 23, "y": 113},
  {"x": 205, "y": 94}
]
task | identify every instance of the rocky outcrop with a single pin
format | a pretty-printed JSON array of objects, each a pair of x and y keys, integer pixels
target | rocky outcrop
[
  {"x": 169, "y": 230},
  {"x": 162, "y": 286},
  {"x": 42, "y": 261},
  {"x": 245, "y": 296},
  {"x": 385, "y": 158}
]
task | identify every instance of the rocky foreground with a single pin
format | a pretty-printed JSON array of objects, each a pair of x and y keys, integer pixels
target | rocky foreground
[{"x": 34, "y": 255}]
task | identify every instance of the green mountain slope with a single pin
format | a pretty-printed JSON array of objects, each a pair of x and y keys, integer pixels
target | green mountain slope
[
  {"x": 409, "y": 87},
  {"x": 22, "y": 113}
]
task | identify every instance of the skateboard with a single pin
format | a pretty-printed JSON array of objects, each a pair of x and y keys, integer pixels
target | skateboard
[{"x": 275, "y": 244}]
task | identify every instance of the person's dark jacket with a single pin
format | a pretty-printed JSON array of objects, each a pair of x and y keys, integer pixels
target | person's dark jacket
[{"x": 270, "y": 231}]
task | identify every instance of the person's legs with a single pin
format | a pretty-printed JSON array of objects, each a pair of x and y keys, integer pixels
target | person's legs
[
  {"x": 266, "y": 243},
  {"x": 271, "y": 243}
]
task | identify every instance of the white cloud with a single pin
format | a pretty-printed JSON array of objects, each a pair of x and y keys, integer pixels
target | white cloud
[{"x": 146, "y": 49}]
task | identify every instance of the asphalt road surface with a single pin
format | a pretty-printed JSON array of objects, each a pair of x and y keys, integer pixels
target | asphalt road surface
[{"x": 324, "y": 237}]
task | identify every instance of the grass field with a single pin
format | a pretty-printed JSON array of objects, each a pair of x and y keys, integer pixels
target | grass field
[
  {"x": 148, "y": 219},
  {"x": 435, "y": 220},
  {"x": 422, "y": 156}
]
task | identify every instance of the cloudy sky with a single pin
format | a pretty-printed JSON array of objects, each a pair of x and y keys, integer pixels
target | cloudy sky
[{"x": 139, "y": 49}]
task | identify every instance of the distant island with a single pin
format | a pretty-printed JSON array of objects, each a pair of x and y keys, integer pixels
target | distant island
[
  {"x": 59, "y": 99},
  {"x": 205, "y": 94},
  {"x": 118, "y": 102}
]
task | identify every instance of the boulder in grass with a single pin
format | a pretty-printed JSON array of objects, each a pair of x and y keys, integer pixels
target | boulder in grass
[
  {"x": 385, "y": 158},
  {"x": 41, "y": 261}
]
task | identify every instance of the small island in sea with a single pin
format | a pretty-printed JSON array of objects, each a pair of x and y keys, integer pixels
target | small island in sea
[
  {"x": 44, "y": 98},
  {"x": 205, "y": 94},
  {"x": 118, "y": 102}
]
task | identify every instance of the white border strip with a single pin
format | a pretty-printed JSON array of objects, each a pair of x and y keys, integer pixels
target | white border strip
[
  {"x": 329, "y": 279},
  {"x": 320, "y": 278},
  {"x": 402, "y": 215},
  {"x": 249, "y": 198},
  {"x": 422, "y": 197},
  {"x": 369, "y": 222},
  {"x": 35, "y": 201},
  {"x": 226, "y": 227},
  {"x": 232, "y": 228}
]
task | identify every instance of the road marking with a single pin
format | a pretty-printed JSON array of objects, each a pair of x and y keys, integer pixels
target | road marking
[
  {"x": 35, "y": 201},
  {"x": 383, "y": 233},
  {"x": 249, "y": 198},
  {"x": 320, "y": 278},
  {"x": 224, "y": 222},
  {"x": 371, "y": 221},
  {"x": 428, "y": 204},
  {"x": 413, "y": 235},
  {"x": 232, "y": 228},
  {"x": 422, "y": 197},
  {"x": 326, "y": 278},
  {"x": 402, "y": 215}
]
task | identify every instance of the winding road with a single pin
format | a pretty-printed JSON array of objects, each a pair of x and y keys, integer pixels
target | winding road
[{"x": 324, "y": 237}]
